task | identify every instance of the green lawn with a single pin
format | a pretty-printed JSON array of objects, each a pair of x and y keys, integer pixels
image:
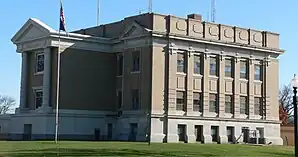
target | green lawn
[{"x": 115, "y": 149}]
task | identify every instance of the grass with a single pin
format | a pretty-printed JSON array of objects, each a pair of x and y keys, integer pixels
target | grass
[{"x": 116, "y": 149}]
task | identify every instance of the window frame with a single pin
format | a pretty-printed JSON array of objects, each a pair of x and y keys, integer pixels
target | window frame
[
  {"x": 38, "y": 90},
  {"x": 183, "y": 66},
  {"x": 246, "y": 69},
  {"x": 181, "y": 106},
  {"x": 135, "y": 100},
  {"x": 197, "y": 107},
  {"x": 136, "y": 62},
  {"x": 260, "y": 65},
  {"x": 216, "y": 65},
  {"x": 197, "y": 70},
  {"x": 246, "y": 109},
  {"x": 212, "y": 102},
  {"x": 37, "y": 60},
  {"x": 120, "y": 65},
  {"x": 231, "y": 68},
  {"x": 231, "y": 108}
]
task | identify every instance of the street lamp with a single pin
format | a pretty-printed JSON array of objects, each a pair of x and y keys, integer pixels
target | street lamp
[{"x": 295, "y": 85}]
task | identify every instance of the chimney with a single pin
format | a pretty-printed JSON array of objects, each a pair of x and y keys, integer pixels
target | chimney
[{"x": 195, "y": 17}]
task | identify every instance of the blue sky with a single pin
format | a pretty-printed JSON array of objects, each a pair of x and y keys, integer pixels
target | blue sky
[{"x": 272, "y": 15}]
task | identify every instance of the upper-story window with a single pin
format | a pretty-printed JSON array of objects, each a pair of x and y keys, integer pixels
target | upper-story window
[
  {"x": 229, "y": 108},
  {"x": 136, "y": 61},
  {"x": 119, "y": 65},
  {"x": 39, "y": 67},
  {"x": 197, "y": 64},
  {"x": 213, "y": 66},
  {"x": 243, "y": 105},
  {"x": 119, "y": 99},
  {"x": 243, "y": 69},
  {"x": 181, "y": 63},
  {"x": 197, "y": 102},
  {"x": 135, "y": 99},
  {"x": 213, "y": 103},
  {"x": 38, "y": 98},
  {"x": 180, "y": 101},
  {"x": 258, "y": 72},
  {"x": 228, "y": 68},
  {"x": 258, "y": 107}
]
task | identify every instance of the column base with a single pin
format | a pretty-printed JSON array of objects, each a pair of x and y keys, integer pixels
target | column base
[
  {"x": 21, "y": 110},
  {"x": 191, "y": 139},
  {"x": 274, "y": 140},
  {"x": 223, "y": 139},
  {"x": 157, "y": 138},
  {"x": 207, "y": 139},
  {"x": 44, "y": 109},
  {"x": 173, "y": 138}
]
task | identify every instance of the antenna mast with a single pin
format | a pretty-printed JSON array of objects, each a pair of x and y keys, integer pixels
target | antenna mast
[
  {"x": 213, "y": 11},
  {"x": 98, "y": 12},
  {"x": 150, "y": 6}
]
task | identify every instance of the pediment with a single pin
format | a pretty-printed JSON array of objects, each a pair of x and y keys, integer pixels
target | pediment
[
  {"x": 133, "y": 30},
  {"x": 32, "y": 29}
]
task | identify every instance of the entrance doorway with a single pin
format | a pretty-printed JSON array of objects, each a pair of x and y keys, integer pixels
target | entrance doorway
[{"x": 27, "y": 133}]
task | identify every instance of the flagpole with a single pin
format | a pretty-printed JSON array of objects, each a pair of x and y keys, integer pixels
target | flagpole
[{"x": 58, "y": 85}]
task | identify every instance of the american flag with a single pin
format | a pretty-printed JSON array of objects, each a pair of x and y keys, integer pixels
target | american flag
[{"x": 62, "y": 19}]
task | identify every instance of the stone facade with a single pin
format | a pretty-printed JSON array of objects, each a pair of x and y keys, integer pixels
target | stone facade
[{"x": 151, "y": 74}]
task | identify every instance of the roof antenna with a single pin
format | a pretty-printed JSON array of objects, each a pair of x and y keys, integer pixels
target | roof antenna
[
  {"x": 150, "y": 6},
  {"x": 213, "y": 11},
  {"x": 98, "y": 12}
]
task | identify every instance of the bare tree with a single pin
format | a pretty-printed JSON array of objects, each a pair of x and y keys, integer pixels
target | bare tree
[
  {"x": 285, "y": 100},
  {"x": 6, "y": 104}
]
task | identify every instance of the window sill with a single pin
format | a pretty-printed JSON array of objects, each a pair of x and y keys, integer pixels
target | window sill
[
  {"x": 198, "y": 75},
  {"x": 258, "y": 81},
  {"x": 135, "y": 72},
  {"x": 213, "y": 77},
  {"x": 229, "y": 78},
  {"x": 243, "y": 80},
  {"x": 181, "y": 74},
  {"x": 38, "y": 73}
]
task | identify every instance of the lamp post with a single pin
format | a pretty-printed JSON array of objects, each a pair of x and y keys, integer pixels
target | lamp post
[{"x": 295, "y": 85}]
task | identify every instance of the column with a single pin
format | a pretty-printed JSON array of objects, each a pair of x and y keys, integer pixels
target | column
[
  {"x": 172, "y": 79},
  {"x": 221, "y": 86},
  {"x": 251, "y": 93},
  {"x": 206, "y": 85},
  {"x": 47, "y": 79},
  {"x": 189, "y": 82},
  {"x": 236, "y": 86},
  {"x": 24, "y": 82},
  {"x": 266, "y": 81}
]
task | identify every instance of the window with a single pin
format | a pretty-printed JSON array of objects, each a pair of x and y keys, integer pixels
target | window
[
  {"x": 135, "y": 99},
  {"x": 214, "y": 133},
  {"x": 199, "y": 133},
  {"x": 213, "y": 66},
  {"x": 119, "y": 99},
  {"x": 110, "y": 131},
  {"x": 230, "y": 134},
  {"x": 243, "y": 105},
  {"x": 258, "y": 106},
  {"x": 133, "y": 132},
  {"x": 181, "y": 63},
  {"x": 213, "y": 104},
  {"x": 119, "y": 65},
  {"x": 229, "y": 104},
  {"x": 180, "y": 101},
  {"x": 258, "y": 72},
  {"x": 38, "y": 98},
  {"x": 197, "y": 102},
  {"x": 39, "y": 62},
  {"x": 197, "y": 64},
  {"x": 136, "y": 61},
  {"x": 228, "y": 68},
  {"x": 243, "y": 69},
  {"x": 181, "y": 132}
]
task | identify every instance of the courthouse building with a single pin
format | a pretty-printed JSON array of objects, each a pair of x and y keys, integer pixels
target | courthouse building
[{"x": 173, "y": 79}]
